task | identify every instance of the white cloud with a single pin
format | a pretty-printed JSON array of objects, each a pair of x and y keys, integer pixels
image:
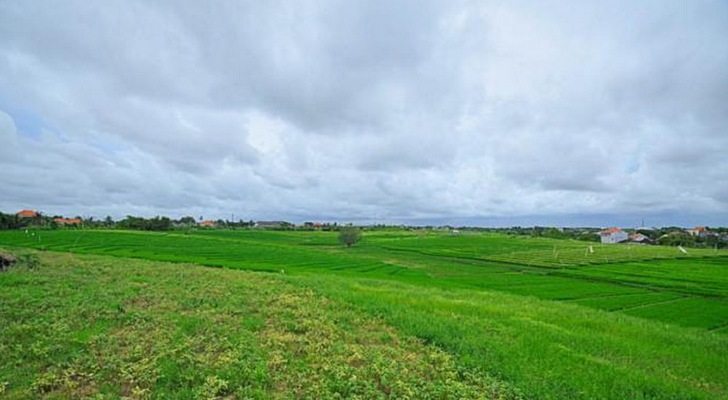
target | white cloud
[{"x": 379, "y": 110}]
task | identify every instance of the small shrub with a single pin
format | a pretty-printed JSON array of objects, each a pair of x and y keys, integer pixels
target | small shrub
[
  {"x": 349, "y": 235},
  {"x": 28, "y": 261},
  {"x": 213, "y": 388}
]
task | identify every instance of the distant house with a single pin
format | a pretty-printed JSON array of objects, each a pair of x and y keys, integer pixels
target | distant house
[
  {"x": 702, "y": 231},
  {"x": 27, "y": 214},
  {"x": 68, "y": 221},
  {"x": 207, "y": 224},
  {"x": 639, "y": 238},
  {"x": 698, "y": 231},
  {"x": 613, "y": 235}
]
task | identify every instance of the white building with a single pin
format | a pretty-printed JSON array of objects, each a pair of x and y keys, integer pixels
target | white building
[{"x": 613, "y": 235}]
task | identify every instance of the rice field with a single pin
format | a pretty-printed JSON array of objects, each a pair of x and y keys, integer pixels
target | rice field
[
  {"x": 618, "y": 278},
  {"x": 540, "y": 318}
]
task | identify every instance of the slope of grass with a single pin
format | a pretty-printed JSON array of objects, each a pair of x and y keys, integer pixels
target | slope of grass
[
  {"x": 550, "y": 350},
  {"x": 102, "y": 327}
]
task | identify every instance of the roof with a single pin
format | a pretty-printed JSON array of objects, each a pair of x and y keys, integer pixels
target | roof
[
  {"x": 68, "y": 221},
  {"x": 207, "y": 223},
  {"x": 27, "y": 214},
  {"x": 610, "y": 231},
  {"x": 638, "y": 237}
]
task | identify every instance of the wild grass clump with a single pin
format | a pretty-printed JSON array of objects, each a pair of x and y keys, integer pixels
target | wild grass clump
[{"x": 24, "y": 260}]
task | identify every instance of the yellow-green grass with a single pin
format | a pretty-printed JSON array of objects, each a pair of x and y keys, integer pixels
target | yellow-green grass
[{"x": 103, "y": 327}]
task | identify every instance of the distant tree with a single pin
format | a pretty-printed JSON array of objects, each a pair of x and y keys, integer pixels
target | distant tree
[
  {"x": 588, "y": 236},
  {"x": 677, "y": 238},
  {"x": 715, "y": 242},
  {"x": 159, "y": 224},
  {"x": 349, "y": 235},
  {"x": 187, "y": 220},
  {"x": 153, "y": 224},
  {"x": 9, "y": 221}
]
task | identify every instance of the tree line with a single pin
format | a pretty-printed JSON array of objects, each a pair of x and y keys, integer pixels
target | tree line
[{"x": 158, "y": 223}]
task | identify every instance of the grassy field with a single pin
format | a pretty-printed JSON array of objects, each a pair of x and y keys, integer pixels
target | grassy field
[
  {"x": 101, "y": 327},
  {"x": 508, "y": 316}
]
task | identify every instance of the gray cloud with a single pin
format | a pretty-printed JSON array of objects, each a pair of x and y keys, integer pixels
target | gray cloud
[{"x": 323, "y": 109}]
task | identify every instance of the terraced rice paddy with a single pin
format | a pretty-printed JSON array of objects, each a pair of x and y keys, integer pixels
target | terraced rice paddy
[
  {"x": 554, "y": 319},
  {"x": 649, "y": 281}
]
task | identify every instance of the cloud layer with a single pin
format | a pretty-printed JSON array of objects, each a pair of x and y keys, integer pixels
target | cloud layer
[{"x": 376, "y": 111}]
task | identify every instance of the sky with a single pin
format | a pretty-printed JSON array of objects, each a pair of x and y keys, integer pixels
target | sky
[{"x": 491, "y": 113}]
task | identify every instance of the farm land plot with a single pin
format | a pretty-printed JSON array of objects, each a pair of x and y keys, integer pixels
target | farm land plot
[
  {"x": 542, "y": 268},
  {"x": 621, "y": 302},
  {"x": 533, "y": 325},
  {"x": 695, "y": 312},
  {"x": 701, "y": 276},
  {"x": 538, "y": 252}
]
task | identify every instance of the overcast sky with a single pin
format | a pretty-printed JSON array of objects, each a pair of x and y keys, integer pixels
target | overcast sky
[{"x": 482, "y": 112}]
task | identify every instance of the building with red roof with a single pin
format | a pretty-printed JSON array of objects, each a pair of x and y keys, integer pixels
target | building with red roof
[
  {"x": 68, "y": 221},
  {"x": 613, "y": 235},
  {"x": 27, "y": 214}
]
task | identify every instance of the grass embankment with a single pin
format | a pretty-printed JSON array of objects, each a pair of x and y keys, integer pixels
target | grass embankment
[{"x": 102, "y": 327}]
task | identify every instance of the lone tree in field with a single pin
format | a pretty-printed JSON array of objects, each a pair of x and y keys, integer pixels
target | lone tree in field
[{"x": 349, "y": 235}]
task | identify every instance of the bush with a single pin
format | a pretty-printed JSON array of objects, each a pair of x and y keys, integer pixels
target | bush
[
  {"x": 28, "y": 260},
  {"x": 349, "y": 235}
]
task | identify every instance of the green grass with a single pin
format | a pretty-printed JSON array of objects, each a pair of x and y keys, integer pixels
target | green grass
[
  {"x": 516, "y": 265},
  {"x": 550, "y": 349},
  {"x": 90, "y": 326},
  {"x": 543, "y": 317},
  {"x": 621, "y": 302},
  {"x": 695, "y": 312}
]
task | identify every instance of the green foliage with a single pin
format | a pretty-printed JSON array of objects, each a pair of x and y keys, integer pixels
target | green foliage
[
  {"x": 9, "y": 221},
  {"x": 28, "y": 260},
  {"x": 677, "y": 238},
  {"x": 349, "y": 235},
  {"x": 152, "y": 224}
]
